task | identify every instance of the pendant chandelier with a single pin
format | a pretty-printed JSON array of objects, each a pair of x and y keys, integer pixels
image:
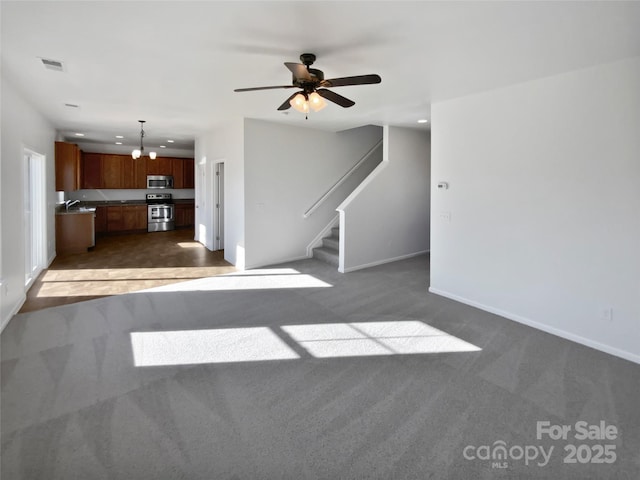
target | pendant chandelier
[{"x": 140, "y": 153}]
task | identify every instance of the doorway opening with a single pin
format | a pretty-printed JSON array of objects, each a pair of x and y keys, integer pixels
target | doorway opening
[{"x": 35, "y": 219}]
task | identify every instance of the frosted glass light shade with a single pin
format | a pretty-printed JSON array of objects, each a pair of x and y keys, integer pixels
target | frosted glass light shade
[
  {"x": 317, "y": 102},
  {"x": 300, "y": 103},
  {"x": 136, "y": 153},
  {"x": 152, "y": 155}
]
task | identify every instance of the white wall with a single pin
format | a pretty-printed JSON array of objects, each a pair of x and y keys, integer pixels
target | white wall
[
  {"x": 286, "y": 170},
  {"x": 545, "y": 204},
  {"x": 226, "y": 145},
  {"x": 22, "y": 127},
  {"x": 387, "y": 218}
]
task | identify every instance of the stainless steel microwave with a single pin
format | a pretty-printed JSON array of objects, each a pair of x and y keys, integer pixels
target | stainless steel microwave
[{"x": 159, "y": 181}]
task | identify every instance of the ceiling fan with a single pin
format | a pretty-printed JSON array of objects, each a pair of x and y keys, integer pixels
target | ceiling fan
[{"x": 313, "y": 86}]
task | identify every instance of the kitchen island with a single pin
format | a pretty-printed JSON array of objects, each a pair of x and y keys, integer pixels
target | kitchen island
[{"x": 75, "y": 230}]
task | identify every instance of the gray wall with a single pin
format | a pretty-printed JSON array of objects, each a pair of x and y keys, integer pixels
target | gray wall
[
  {"x": 286, "y": 170},
  {"x": 387, "y": 217},
  {"x": 225, "y": 144},
  {"x": 22, "y": 127},
  {"x": 544, "y": 204}
]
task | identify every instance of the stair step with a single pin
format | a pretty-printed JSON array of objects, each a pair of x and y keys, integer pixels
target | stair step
[
  {"x": 328, "y": 255},
  {"x": 332, "y": 243}
]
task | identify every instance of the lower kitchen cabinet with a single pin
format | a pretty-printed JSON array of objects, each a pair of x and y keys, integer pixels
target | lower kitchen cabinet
[
  {"x": 126, "y": 218},
  {"x": 134, "y": 217},
  {"x": 101, "y": 219},
  {"x": 74, "y": 232},
  {"x": 185, "y": 214}
]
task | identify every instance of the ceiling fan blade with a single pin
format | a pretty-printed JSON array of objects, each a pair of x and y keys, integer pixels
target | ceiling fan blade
[
  {"x": 262, "y": 88},
  {"x": 335, "y": 98},
  {"x": 299, "y": 71},
  {"x": 286, "y": 105},
  {"x": 357, "y": 80}
]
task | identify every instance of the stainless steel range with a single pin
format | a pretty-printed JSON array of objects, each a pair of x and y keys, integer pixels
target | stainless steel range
[{"x": 160, "y": 212}]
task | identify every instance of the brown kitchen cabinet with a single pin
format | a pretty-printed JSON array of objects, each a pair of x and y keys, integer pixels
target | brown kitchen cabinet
[
  {"x": 75, "y": 232},
  {"x": 189, "y": 177},
  {"x": 134, "y": 217},
  {"x": 185, "y": 214},
  {"x": 140, "y": 173},
  {"x": 112, "y": 167},
  {"x": 160, "y": 166},
  {"x": 67, "y": 166},
  {"x": 114, "y": 219},
  {"x": 91, "y": 171},
  {"x": 127, "y": 172},
  {"x": 101, "y": 170},
  {"x": 177, "y": 169},
  {"x": 101, "y": 220},
  {"x": 126, "y": 218}
]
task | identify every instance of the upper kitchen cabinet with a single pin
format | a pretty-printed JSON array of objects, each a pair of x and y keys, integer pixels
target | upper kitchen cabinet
[
  {"x": 134, "y": 172},
  {"x": 182, "y": 171},
  {"x": 67, "y": 167},
  {"x": 177, "y": 168},
  {"x": 160, "y": 166},
  {"x": 92, "y": 171},
  {"x": 101, "y": 170},
  {"x": 112, "y": 171},
  {"x": 189, "y": 174}
]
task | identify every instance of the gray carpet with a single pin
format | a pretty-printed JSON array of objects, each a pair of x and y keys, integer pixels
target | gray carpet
[{"x": 305, "y": 374}]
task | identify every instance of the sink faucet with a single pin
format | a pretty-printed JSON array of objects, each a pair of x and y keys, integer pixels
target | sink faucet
[{"x": 69, "y": 203}]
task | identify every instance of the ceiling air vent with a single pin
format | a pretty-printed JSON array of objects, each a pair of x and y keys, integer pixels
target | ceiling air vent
[{"x": 52, "y": 64}]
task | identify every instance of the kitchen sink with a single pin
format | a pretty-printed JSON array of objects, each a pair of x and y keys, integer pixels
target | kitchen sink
[{"x": 82, "y": 209}]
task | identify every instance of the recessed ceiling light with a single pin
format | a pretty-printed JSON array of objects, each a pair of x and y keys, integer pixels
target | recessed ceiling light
[
  {"x": 119, "y": 136},
  {"x": 163, "y": 146},
  {"x": 423, "y": 120},
  {"x": 118, "y": 143},
  {"x": 79, "y": 134},
  {"x": 170, "y": 141}
]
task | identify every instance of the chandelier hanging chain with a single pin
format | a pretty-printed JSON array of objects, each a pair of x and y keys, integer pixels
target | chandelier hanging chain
[
  {"x": 141, "y": 136},
  {"x": 140, "y": 153}
]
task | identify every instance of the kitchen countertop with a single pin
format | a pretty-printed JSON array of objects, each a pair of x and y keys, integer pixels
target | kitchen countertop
[
  {"x": 76, "y": 211},
  {"x": 92, "y": 204}
]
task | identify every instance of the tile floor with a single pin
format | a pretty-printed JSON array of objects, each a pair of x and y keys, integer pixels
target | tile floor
[{"x": 123, "y": 264}]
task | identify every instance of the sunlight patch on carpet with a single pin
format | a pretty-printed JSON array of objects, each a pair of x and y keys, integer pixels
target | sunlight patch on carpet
[
  {"x": 254, "y": 344},
  {"x": 189, "y": 347},
  {"x": 375, "y": 338}
]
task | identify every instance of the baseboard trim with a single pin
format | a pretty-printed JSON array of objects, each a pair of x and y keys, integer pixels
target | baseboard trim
[
  {"x": 16, "y": 308},
  {"x": 632, "y": 357},
  {"x": 382, "y": 262},
  {"x": 275, "y": 262}
]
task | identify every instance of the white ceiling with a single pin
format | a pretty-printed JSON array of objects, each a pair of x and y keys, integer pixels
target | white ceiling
[{"x": 175, "y": 64}]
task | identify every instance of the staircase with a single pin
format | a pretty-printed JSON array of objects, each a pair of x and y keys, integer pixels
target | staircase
[{"x": 328, "y": 252}]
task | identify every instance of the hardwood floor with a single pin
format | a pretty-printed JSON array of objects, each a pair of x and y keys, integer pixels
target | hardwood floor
[{"x": 122, "y": 264}]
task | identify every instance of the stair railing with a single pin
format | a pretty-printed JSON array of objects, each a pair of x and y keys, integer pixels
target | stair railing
[{"x": 341, "y": 180}]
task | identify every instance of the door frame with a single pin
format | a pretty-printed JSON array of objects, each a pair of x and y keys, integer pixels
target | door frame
[{"x": 35, "y": 214}]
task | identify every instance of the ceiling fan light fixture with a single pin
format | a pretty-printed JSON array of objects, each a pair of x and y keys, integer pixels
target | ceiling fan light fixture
[
  {"x": 152, "y": 155},
  {"x": 136, "y": 154},
  {"x": 300, "y": 103},
  {"x": 317, "y": 102}
]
